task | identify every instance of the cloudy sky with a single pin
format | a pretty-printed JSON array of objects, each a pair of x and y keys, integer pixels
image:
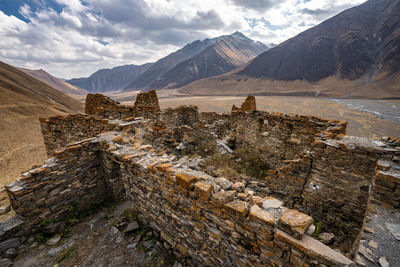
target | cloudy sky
[{"x": 74, "y": 38}]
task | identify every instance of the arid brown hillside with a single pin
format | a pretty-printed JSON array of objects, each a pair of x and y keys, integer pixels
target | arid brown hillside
[
  {"x": 354, "y": 54},
  {"x": 23, "y": 100},
  {"x": 18, "y": 88},
  {"x": 56, "y": 83},
  {"x": 223, "y": 56}
]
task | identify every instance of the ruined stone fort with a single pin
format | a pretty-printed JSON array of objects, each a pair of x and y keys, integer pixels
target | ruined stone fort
[{"x": 250, "y": 188}]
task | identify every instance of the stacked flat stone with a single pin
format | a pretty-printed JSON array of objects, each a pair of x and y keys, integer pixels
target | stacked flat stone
[
  {"x": 59, "y": 131},
  {"x": 248, "y": 105},
  {"x": 315, "y": 169}
]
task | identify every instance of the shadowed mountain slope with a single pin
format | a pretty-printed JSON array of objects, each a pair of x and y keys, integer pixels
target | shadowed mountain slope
[
  {"x": 354, "y": 54},
  {"x": 114, "y": 79},
  {"x": 223, "y": 56},
  {"x": 165, "y": 64}
]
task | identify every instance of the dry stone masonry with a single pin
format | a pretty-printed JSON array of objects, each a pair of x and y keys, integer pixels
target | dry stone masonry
[{"x": 251, "y": 188}]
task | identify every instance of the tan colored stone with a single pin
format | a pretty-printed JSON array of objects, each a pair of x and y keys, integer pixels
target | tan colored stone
[
  {"x": 118, "y": 139},
  {"x": 59, "y": 151},
  {"x": 74, "y": 148},
  {"x": 313, "y": 248},
  {"x": 242, "y": 196},
  {"x": 186, "y": 180},
  {"x": 238, "y": 186},
  {"x": 222, "y": 197},
  {"x": 257, "y": 200},
  {"x": 238, "y": 208},
  {"x": 294, "y": 223},
  {"x": 259, "y": 215},
  {"x": 127, "y": 158},
  {"x": 392, "y": 177},
  {"x": 203, "y": 190},
  {"x": 163, "y": 167}
]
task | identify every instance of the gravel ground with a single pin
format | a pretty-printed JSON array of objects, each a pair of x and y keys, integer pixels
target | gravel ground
[{"x": 100, "y": 240}]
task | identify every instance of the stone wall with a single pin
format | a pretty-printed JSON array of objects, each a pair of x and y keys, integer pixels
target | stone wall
[
  {"x": 44, "y": 197},
  {"x": 75, "y": 174},
  {"x": 59, "y": 131},
  {"x": 308, "y": 169},
  {"x": 379, "y": 238},
  {"x": 277, "y": 137},
  {"x": 205, "y": 220},
  {"x": 341, "y": 177},
  {"x": 386, "y": 187},
  {"x": 248, "y": 105},
  {"x": 146, "y": 105},
  {"x": 214, "y": 227},
  {"x": 103, "y": 106},
  {"x": 313, "y": 167}
]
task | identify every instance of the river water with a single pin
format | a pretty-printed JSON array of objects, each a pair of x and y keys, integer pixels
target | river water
[{"x": 383, "y": 109}]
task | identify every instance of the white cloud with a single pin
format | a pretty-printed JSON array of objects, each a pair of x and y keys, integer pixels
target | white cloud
[{"x": 85, "y": 37}]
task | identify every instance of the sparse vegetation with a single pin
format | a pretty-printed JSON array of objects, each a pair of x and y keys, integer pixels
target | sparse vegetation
[
  {"x": 44, "y": 223},
  {"x": 40, "y": 238},
  {"x": 242, "y": 162},
  {"x": 341, "y": 231},
  {"x": 318, "y": 228},
  {"x": 254, "y": 167},
  {"x": 66, "y": 254}
]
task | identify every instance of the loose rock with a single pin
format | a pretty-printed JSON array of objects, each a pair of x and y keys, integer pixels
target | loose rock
[
  {"x": 132, "y": 227},
  {"x": 326, "y": 238},
  {"x": 54, "y": 240}
]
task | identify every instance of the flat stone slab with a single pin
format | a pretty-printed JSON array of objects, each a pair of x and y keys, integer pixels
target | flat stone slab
[
  {"x": 55, "y": 251},
  {"x": 238, "y": 208},
  {"x": 314, "y": 248},
  {"x": 132, "y": 227},
  {"x": 223, "y": 197},
  {"x": 294, "y": 223},
  {"x": 394, "y": 229},
  {"x": 9, "y": 243},
  {"x": 271, "y": 203},
  {"x": 54, "y": 240},
  {"x": 261, "y": 216}
]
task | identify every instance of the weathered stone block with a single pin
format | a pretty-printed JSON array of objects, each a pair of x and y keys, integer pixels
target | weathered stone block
[
  {"x": 163, "y": 167},
  {"x": 186, "y": 180},
  {"x": 203, "y": 190},
  {"x": 261, "y": 216},
  {"x": 294, "y": 223},
  {"x": 222, "y": 197},
  {"x": 388, "y": 176},
  {"x": 314, "y": 249},
  {"x": 238, "y": 208},
  {"x": 238, "y": 186}
]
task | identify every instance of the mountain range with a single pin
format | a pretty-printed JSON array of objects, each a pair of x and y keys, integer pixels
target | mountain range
[
  {"x": 197, "y": 60},
  {"x": 353, "y": 54},
  {"x": 114, "y": 79},
  {"x": 222, "y": 56}
]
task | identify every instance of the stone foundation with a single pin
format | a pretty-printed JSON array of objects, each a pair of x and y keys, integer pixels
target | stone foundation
[{"x": 311, "y": 167}]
